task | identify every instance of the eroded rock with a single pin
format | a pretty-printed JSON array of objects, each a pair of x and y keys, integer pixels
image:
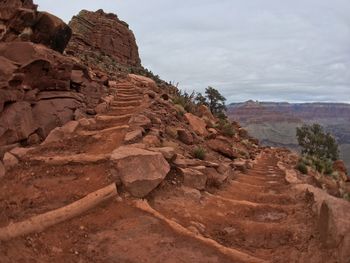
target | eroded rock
[
  {"x": 222, "y": 147},
  {"x": 194, "y": 178},
  {"x": 141, "y": 171},
  {"x": 9, "y": 161},
  {"x": 133, "y": 136},
  {"x": 185, "y": 136},
  {"x": 197, "y": 124}
]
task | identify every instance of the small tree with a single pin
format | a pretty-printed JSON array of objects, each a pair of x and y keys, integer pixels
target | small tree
[
  {"x": 315, "y": 142},
  {"x": 216, "y": 102},
  {"x": 200, "y": 99}
]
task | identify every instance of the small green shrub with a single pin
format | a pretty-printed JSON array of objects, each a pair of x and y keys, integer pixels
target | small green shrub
[
  {"x": 346, "y": 196},
  {"x": 328, "y": 167},
  {"x": 301, "y": 167},
  {"x": 324, "y": 166},
  {"x": 226, "y": 127},
  {"x": 180, "y": 111},
  {"x": 199, "y": 153},
  {"x": 186, "y": 100},
  {"x": 335, "y": 175},
  {"x": 228, "y": 130}
]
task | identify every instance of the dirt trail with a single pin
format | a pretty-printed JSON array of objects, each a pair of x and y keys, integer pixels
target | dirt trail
[{"x": 257, "y": 214}]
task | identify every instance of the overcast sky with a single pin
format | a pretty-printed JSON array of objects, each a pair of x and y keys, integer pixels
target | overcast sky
[{"x": 290, "y": 50}]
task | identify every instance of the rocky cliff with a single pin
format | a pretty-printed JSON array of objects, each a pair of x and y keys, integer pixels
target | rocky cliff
[{"x": 101, "y": 37}]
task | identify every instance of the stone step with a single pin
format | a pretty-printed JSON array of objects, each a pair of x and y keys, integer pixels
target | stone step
[
  {"x": 126, "y": 103},
  {"x": 128, "y": 91},
  {"x": 71, "y": 159},
  {"x": 128, "y": 98},
  {"x": 264, "y": 183},
  {"x": 109, "y": 118},
  {"x": 271, "y": 196},
  {"x": 122, "y": 108},
  {"x": 111, "y": 129},
  {"x": 250, "y": 235}
]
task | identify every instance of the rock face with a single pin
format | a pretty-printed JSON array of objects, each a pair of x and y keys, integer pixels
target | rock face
[
  {"x": 193, "y": 178},
  {"x": 197, "y": 124},
  {"x": 222, "y": 147},
  {"x": 20, "y": 21},
  {"x": 185, "y": 136},
  {"x": 40, "y": 89},
  {"x": 140, "y": 170},
  {"x": 98, "y": 32},
  {"x": 37, "y": 92}
]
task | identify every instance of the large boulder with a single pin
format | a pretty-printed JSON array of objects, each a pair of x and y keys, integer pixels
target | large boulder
[
  {"x": 194, "y": 178},
  {"x": 16, "y": 123},
  {"x": 144, "y": 81},
  {"x": 60, "y": 133},
  {"x": 22, "y": 22},
  {"x": 205, "y": 113},
  {"x": 185, "y": 136},
  {"x": 51, "y": 31},
  {"x": 222, "y": 147},
  {"x": 140, "y": 121},
  {"x": 140, "y": 170},
  {"x": 197, "y": 124}
]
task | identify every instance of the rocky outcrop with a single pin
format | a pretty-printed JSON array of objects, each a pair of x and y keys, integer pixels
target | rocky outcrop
[
  {"x": 197, "y": 124},
  {"x": 98, "y": 34},
  {"x": 140, "y": 170},
  {"x": 39, "y": 91},
  {"x": 222, "y": 147},
  {"x": 20, "y": 21}
]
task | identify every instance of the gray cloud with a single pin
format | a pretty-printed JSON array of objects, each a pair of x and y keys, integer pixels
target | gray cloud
[{"x": 296, "y": 50}]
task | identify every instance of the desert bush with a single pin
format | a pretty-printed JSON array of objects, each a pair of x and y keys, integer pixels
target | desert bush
[
  {"x": 186, "y": 100},
  {"x": 319, "y": 148},
  {"x": 199, "y": 153},
  {"x": 324, "y": 166},
  {"x": 315, "y": 142},
  {"x": 346, "y": 196},
  {"x": 226, "y": 127},
  {"x": 301, "y": 167},
  {"x": 180, "y": 110}
]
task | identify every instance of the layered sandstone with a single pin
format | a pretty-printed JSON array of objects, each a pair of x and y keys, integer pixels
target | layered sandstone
[{"x": 98, "y": 34}]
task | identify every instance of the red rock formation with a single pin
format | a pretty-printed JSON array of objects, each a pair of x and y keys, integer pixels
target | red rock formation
[
  {"x": 20, "y": 21},
  {"x": 40, "y": 89},
  {"x": 103, "y": 34}
]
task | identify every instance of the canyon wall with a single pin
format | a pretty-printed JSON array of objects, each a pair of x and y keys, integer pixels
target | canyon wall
[{"x": 275, "y": 123}]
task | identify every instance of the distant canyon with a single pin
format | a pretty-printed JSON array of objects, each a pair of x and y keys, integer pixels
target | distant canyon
[{"x": 275, "y": 123}]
